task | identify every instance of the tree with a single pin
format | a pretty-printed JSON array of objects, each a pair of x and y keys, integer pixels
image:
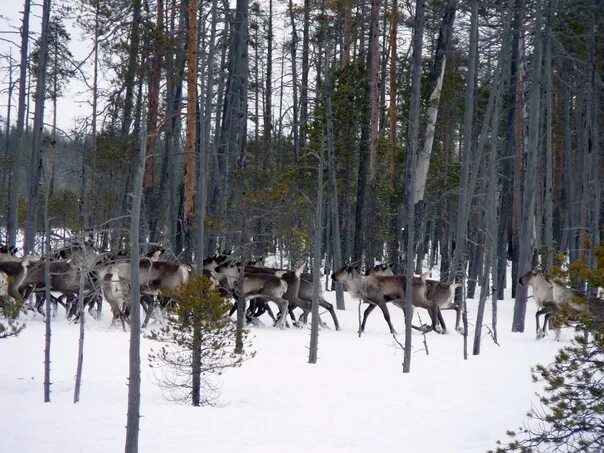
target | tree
[
  {"x": 412, "y": 150},
  {"x": 198, "y": 341},
  {"x": 9, "y": 311},
  {"x": 36, "y": 158},
  {"x": 571, "y": 415},
  {"x": 14, "y": 175}
]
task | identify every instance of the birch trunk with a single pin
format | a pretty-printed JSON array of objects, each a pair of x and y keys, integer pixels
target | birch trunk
[{"x": 437, "y": 77}]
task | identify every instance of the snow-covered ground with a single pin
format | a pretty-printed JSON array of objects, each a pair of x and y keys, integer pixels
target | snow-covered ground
[{"x": 356, "y": 399}]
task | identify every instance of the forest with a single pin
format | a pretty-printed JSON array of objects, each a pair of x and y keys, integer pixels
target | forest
[{"x": 462, "y": 137}]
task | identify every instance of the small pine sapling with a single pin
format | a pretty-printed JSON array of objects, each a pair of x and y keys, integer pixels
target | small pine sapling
[
  {"x": 198, "y": 340},
  {"x": 9, "y": 311}
]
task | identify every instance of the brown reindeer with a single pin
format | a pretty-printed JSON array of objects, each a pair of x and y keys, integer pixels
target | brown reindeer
[
  {"x": 299, "y": 293},
  {"x": 271, "y": 286},
  {"x": 440, "y": 293},
  {"x": 378, "y": 290},
  {"x": 155, "y": 276}
]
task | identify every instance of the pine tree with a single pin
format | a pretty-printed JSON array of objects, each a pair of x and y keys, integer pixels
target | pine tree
[{"x": 198, "y": 341}]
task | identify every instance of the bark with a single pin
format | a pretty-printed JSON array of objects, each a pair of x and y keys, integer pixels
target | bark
[
  {"x": 293, "y": 50},
  {"x": 134, "y": 359},
  {"x": 268, "y": 107},
  {"x": 154, "y": 89},
  {"x": 82, "y": 321},
  {"x": 412, "y": 151},
  {"x": 525, "y": 242},
  {"x": 549, "y": 104},
  {"x": 490, "y": 259},
  {"x": 35, "y": 167},
  {"x": 305, "y": 69},
  {"x": 436, "y": 82},
  {"x": 316, "y": 282},
  {"x": 133, "y": 52},
  {"x": 373, "y": 80},
  {"x": 459, "y": 257},
  {"x": 15, "y": 169},
  {"x": 333, "y": 187},
  {"x": 393, "y": 246},
  {"x": 47, "y": 297},
  {"x": 191, "y": 138},
  {"x": 346, "y": 33}
]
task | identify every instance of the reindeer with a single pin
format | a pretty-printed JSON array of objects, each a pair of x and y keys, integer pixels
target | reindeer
[
  {"x": 440, "y": 293},
  {"x": 543, "y": 293},
  {"x": 378, "y": 290},
  {"x": 299, "y": 293},
  {"x": 155, "y": 276},
  {"x": 271, "y": 286},
  {"x": 443, "y": 295}
]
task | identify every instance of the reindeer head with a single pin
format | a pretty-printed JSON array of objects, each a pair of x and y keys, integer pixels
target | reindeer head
[
  {"x": 347, "y": 272},
  {"x": 380, "y": 270},
  {"x": 527, "y": 278}
]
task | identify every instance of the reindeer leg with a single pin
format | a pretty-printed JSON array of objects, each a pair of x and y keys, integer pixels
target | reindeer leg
[
  {"x": 331, "y": 311},
  {"x": 541, "y": 332},
  {"x": 437, "y": 322},
  {"x": 366, "y": 313},
  {"x": 283, "y": 306},
  {"x": 441, "y": 320}
]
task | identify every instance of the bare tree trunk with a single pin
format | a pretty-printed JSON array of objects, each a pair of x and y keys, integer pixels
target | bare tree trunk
[
  {"x": 372, "y": 75},
  {"x": 490, "y": 259},
  {"x": 305, "y": 69},
  {"x": 191, "y": 112},
  {"x": 413, "y": 145},
  {"x": 549, "y": 105},
  {"x": 91, "y": 218},
  {"x": 294, "y": 48},
  {"x": 36, "y": 159},
  {"x": 436, "y": 83},
  {"x": 15, "y": 169},
  {"x": 333, "y": 186},
  {"x": 131, "y": 67},
  {"x": 134, "y": 369},
  {"x": 393, "y": 246},
  {"x": 82, "y": 318},
  {"x": 268, "y": 106},
  {"x": 154, "y": 89},
  {"x": 47, "y": 298},
  {"x": 459, "y": 257},
  {"x": 347, "y": 28},
  {"x": 526, "y": 245},
  {"x": 316, "y": 281}
]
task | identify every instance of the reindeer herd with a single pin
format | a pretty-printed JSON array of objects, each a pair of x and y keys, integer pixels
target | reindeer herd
[{"x": 79, "y": 269}]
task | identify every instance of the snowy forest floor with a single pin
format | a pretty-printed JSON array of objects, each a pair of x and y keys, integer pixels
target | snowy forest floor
[{"x": 356, "y": 399}]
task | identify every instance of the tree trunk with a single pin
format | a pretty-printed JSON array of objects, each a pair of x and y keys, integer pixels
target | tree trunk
[
  {"x": 436, "y": 82},
  {"x": 82, "y": 320},
  {"x": 47, "y": 298},
  {"x": 490, "y": 259},
  {"x": 134, "y": 369},
  {"x": 463, "y": 211},
  {"x": 294, "y": 48},
  {"x": 333, "y": 188},
  {"x": 316, "y": 281},
  {"x": 412, "y": 150},
  {"x": 15, "y": 169},
  {"x": 373, "y": 80},
  {"x": 133, "y": 52},
  {"x": 525, "y": 243},
  {"x": 36, "y": 164},
  {"x": 191, "y": 139}
]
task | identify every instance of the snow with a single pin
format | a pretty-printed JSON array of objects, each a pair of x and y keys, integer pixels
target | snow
[{"x": 356, "y": 399}]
